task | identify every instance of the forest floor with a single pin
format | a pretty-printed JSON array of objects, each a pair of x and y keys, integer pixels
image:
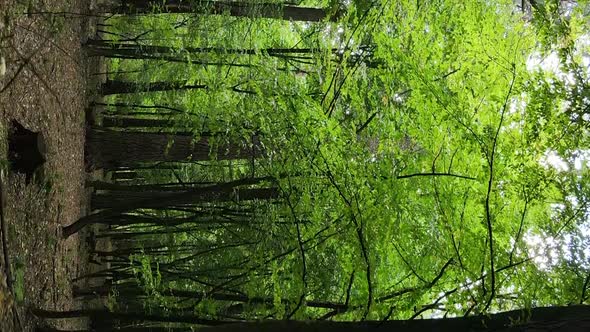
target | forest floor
[{"x": 45, "y": 88}]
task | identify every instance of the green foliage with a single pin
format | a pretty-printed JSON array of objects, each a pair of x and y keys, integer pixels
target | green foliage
[
  {"x": 407, "y": 143},
  {"x": 18, "y": 282}
]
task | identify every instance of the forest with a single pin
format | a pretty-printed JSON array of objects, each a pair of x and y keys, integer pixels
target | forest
[{"x": 295, "y": 165}]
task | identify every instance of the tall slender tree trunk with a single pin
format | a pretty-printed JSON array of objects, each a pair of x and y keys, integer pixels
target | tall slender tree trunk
[
  {"x": 112, "y": 87},
  {"x": 566, "y": 319},
  {"x": 158, "y": 202},
  {"x": 133, "y": 291},
  {"x": 121, "y": 329},
  {"x": 163, "y": 57},
  {"x": 113, "y": 149},
  {"x": 102, "y": 47},
  {"x": 113, "y": 198},
  {"x": 162, "y": 110},
  {"x": 129, "y": 237},
  {"x": 170, "y": 186},
  {"x": 232, "y": 8},
  {"x": 134, "y": 122},
  {"x": 102, "y": 314},
  {"x": 115, "y": 49}
]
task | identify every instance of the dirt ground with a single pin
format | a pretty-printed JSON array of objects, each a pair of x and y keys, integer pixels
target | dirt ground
[{"x": 47, "y": 87}]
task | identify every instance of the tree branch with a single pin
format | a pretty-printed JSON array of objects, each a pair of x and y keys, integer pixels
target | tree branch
[
  {"x": 406, "y": 176},
  {"x": 488, "y": 194}
]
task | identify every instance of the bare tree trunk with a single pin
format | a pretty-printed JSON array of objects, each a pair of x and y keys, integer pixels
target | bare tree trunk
[
  {"x": 112, "y": 87},
  {"x": 158, "y": 202},
  {"x": 114, "y": 198},
  {"x": 126, "y": 122},
  {"x": 232, "y": 8},
  {"x": 114, "y": 149},
  {"x": 136, "y": 316},
  {"x": 566, "y": 319},
  {"x": 114, "y": 48}
]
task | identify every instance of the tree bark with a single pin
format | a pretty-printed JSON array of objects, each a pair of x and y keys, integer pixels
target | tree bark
[
  {"x": 570, "y": 319},
  {"x": 113, "y": 149},
  {"x": 115, "y": 48},
  {"x": 232, "y": 8},
  {"x": 136, "y": 316},
  {"x": 177, "y": 198},
  {"x": 115, "y": 198},
  {"x": 126, "y": 122},
  {"x": 112, "y": 87},
  {"x": 121, "y": 329},
  {"x": 105, "y": 290}
]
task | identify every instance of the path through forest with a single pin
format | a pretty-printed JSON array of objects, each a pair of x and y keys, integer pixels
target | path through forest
[{"x": 45, "y": 88}]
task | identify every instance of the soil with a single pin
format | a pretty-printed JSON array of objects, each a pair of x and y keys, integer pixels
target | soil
[{"x": 46, "y": 88}]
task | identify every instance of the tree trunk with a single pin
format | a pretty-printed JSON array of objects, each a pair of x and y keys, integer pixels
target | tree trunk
[
  {"x": 177, "y": 198},
  {"x": 134, "y": 291},
  {"x": 165, "y": 57},
  {"x": 162, "y": 110},
  {"x": 570, "y": 319},
  {"x": 112, "y": 87},
  {"x": 232, "y": 8},
  {"x": 104, "y": 47},
  {"x": 567, "y": 319},
  {"x": 113, "y": 198},
  {"x": 113, "y": 149},
  {"x": 121, "y": 329},
  {"x": 170, "y": 186},
  {"x": 99, "y": 314},
  {"x": 114, "y": 49},
  {"x": 134, "y": 122}
]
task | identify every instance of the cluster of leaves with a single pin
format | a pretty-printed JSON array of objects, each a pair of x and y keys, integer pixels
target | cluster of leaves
[{"x": 406, "y": 141}]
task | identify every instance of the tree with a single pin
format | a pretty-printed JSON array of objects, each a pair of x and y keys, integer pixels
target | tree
[
  {"x": 110, "y": 149},
  {"x": 131, "y": 195},
  {"x": 573, "y": 318},
  {"x": 183, "y": 197},
  {"x": 238, "y": 9}
]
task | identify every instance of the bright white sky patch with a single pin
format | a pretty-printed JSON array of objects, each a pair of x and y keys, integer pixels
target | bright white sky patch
[
  {"x": 547, "y": 251},
  {"x": 552, "y": 159},
  {"x": 550, "y": 63},
  {"x": 581, "y": 159}
]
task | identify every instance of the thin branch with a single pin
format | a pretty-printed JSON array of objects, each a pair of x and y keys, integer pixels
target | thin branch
[
  {"x": 301, "y": 251},
  {"x": 364, "y": 125},
  {"x": 488, "y": 195},
  {"x": 433, "y": 305},
  {"x": 411, "y": 289},
  {"x": 339, "y": 311},
  {"x": 440, "y": 274},
  {"x": 520, "y": 227},
  {"x": 360, "y": 235},
  {"x": 406, "y": 176},
  {"x": 25, "y": 62}
]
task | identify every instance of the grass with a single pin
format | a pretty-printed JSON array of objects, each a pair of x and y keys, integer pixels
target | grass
[{"x": 18, "y": 284}]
